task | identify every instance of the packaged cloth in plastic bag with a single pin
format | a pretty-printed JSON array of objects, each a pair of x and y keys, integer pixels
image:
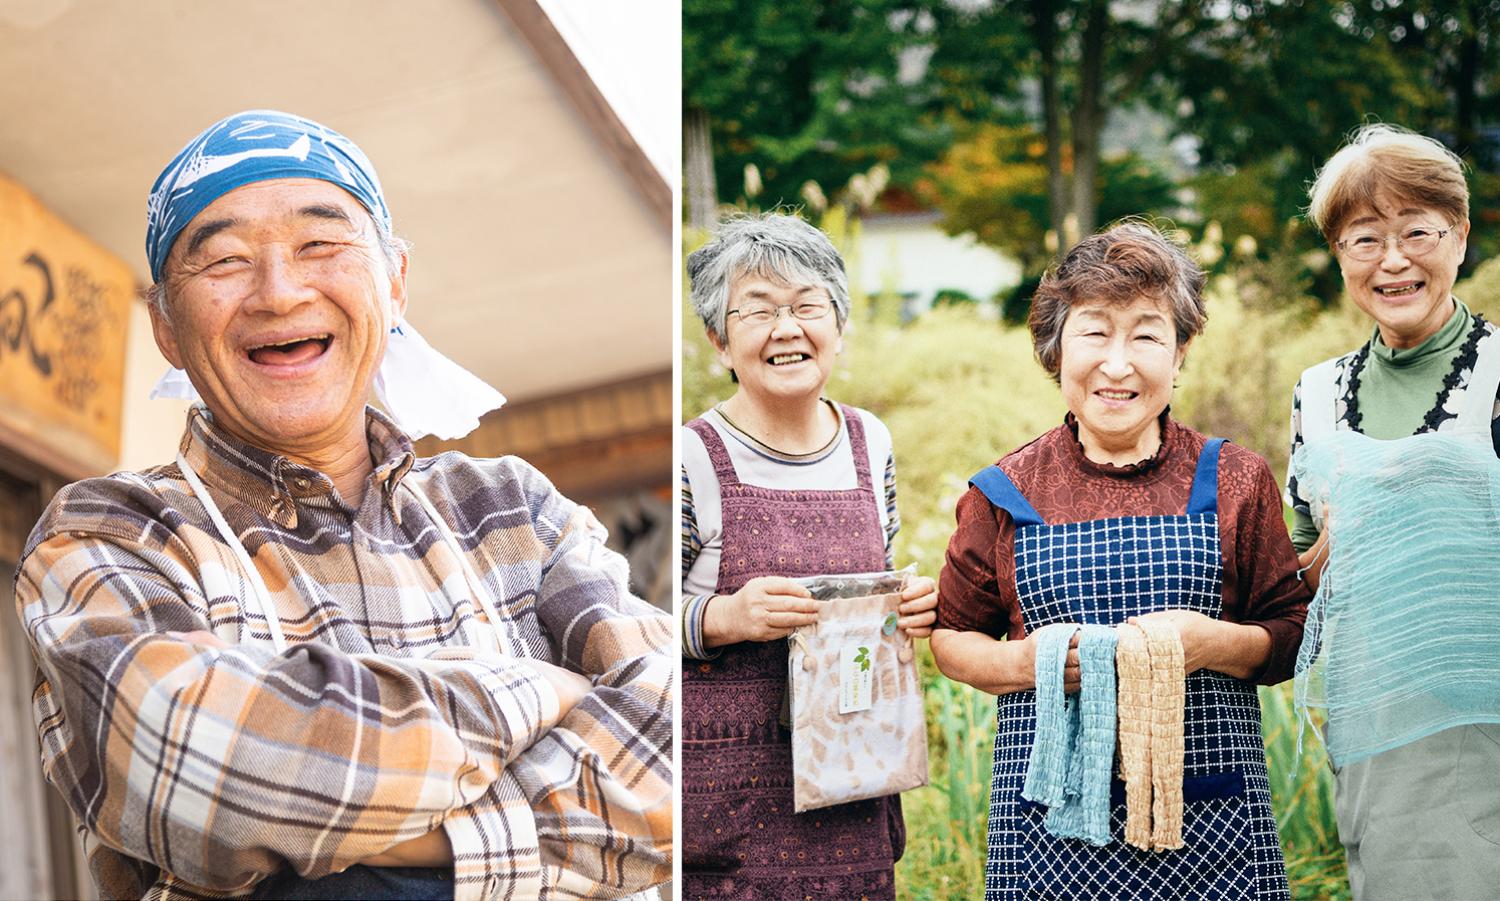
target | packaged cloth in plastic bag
[{"x": 858, "y": 729}]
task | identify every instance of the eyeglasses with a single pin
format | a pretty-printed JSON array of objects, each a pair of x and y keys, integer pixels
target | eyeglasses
[
  {"x": 1414, "y": 242},
  {"x": 766, "y": 313}
]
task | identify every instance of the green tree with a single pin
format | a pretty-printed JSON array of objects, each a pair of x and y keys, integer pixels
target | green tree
[
  {"x": 1270, "y": 90},
  {"x": 1084, "y": 58},
  {"x": 814, "y": 91},
  {"x": 995, "y": 184}
]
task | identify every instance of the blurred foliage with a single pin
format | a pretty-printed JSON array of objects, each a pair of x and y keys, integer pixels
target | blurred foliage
[
  {"x": 945, "y": 95},
  {"x": 807, "y": 91},
  {"x": 994, "y": 184}
]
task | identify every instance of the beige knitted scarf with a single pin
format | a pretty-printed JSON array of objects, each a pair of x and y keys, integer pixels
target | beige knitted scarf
[{"x": 1149, "y": 664}]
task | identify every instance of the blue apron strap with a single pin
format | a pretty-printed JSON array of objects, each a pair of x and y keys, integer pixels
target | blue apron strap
[
  {"x": 1205, "y": 494},
  {"x": 1003, "y": 493}
]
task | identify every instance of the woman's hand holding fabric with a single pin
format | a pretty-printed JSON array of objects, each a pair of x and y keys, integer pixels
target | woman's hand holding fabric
[
  {"x": 1207, "y": 643},
  {"x": 765, "y": 609},
  {"x": 995, "y": 666},
  {"x": 1312, "y": 560},
  {"x": 918, "y": 607},
  {"x": 1072, "y": 667}
]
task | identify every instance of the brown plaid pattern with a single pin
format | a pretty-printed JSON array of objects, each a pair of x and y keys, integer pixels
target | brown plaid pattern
[{"x": 194, "y": 771}]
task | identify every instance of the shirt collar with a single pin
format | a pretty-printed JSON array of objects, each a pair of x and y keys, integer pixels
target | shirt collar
[
  {"x": 1169, "y": 439},
  {"x": 273, "y": 485}
]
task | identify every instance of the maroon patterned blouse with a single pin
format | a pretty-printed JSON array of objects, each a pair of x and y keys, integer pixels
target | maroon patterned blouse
[{"x": 977, "y": 588}]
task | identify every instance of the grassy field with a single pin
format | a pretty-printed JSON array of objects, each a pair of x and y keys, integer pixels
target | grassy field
[{"x": 958, "y": 390}]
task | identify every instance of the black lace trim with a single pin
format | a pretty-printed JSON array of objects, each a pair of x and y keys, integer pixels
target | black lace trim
[
  {"x": 1352, "y": 416},
  {"x": 1468, "y": 355}
]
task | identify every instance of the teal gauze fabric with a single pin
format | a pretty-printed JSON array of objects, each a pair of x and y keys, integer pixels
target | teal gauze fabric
[
  {"x": 1074, "y": 749},
  {"x": 1403, "y": 637},
  {"x": 1084, "y": 812},
  {"x": 1048, "y": 768}
]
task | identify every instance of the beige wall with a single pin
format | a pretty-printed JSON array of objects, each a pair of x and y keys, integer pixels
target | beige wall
[{"x": 151, "y": 427}]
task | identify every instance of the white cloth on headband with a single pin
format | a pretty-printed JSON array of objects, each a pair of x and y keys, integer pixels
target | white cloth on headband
[{"x": 423, "y": 391}]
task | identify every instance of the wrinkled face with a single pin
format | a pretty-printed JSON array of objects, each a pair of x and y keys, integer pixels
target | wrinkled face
[
  {"x": 279, "y": 302},
  {"x": 1117, "y": 368},
  {"x": 1407, "y": 294},
  {"x": 786, "y": 358}
]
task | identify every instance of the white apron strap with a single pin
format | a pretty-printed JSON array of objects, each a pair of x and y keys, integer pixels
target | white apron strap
[
  {"x": 262, "y": 596},
  {"x": 1319, "y": 417},
  {"x": 1479, "y": 397},
  {"x": 1319, "y": 394},
  {"x": 503, "y": 635}
]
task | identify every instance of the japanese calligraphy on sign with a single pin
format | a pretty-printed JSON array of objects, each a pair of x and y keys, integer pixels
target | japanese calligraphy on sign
[{"x": 64, "y": 309}]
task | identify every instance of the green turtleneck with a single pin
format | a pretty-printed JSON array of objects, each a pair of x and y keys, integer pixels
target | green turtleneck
[{"x": 1397, "y": 388}]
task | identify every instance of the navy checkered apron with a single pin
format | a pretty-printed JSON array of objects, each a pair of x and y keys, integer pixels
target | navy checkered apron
[{"x": 1101, "y": 572}]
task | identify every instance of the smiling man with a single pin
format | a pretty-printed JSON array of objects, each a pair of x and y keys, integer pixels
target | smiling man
[{"x": 299, "y": 661}]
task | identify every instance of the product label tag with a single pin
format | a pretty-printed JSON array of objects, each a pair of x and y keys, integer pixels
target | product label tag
[{"x": 856, "y": 677}]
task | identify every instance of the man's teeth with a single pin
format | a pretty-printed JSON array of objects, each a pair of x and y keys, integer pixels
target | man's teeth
[
  {"x": 323, "y": 337},
  {"x": 1399, "y": 292},
  {"x": 1116, "y": 395},
  {"x": 787, "y": 358}
]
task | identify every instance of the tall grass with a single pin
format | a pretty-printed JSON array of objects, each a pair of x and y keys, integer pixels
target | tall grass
[
  {"x": 1302, "y": 797},
  {"x": 945, "y": 822}
]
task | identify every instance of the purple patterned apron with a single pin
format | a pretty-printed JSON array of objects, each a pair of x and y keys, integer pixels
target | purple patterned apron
[{"x": 741, "y": 838}]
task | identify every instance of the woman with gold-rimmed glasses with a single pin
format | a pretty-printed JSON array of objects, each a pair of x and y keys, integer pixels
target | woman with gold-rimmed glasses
[
  {"x": 778, "y": 482},
  {"x": 1420, "y": 818}
]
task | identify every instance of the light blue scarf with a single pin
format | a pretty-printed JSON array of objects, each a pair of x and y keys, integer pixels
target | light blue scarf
[
  {"x": 1074, "y": 749},
  {"x": 1084, "y": 811}
]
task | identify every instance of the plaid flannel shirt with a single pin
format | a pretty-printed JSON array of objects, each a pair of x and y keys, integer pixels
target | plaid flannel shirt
[{"x": 195, "y": 771}]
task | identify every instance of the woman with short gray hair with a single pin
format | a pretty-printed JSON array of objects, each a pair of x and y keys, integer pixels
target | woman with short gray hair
[{"x": 778, "y": 482}]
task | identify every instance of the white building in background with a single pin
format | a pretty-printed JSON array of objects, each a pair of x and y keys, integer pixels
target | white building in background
[{"x": 909, "y": 254}]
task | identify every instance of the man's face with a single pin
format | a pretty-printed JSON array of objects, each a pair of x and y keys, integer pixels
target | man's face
[{"x": 279, "y": 300}]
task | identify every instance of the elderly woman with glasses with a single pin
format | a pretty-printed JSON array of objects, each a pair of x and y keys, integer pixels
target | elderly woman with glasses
[
  {"x": 778, "y": 482},
  {"x": 1123, "y": 514},
  {"x": 1421, "y": 819}
]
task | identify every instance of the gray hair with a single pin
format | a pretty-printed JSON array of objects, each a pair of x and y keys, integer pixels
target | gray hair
[
  {"x": 775, "y": 246},
  {"x": 392, "y": 247}
]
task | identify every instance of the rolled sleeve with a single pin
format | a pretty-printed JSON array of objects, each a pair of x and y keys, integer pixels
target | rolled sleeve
[{"x": 603, "y": 778}]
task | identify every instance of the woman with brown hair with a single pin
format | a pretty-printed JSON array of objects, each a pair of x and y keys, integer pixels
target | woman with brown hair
[{"x": 1123, "y": 514}]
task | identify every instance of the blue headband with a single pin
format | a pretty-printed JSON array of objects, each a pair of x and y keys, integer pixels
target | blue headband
[{"x": 256, "y": 145}]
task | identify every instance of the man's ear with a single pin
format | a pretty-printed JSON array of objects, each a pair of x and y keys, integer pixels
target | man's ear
[
  {"x": 398, "y": 289},
  {"x": 166, "y": 336}
]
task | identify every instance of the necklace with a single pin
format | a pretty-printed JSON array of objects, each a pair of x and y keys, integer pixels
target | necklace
[
  {"x": 1464, "y": 361},
  {"x": 761, "y": 445}
]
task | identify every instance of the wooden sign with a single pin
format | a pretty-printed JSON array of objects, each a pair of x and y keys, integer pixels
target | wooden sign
[{"x": 64, "y": 311}]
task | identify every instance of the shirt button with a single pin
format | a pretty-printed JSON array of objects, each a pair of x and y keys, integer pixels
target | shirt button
[
  {"x": 396, "y": 643},
  {"x": 301, "y": 483}
]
